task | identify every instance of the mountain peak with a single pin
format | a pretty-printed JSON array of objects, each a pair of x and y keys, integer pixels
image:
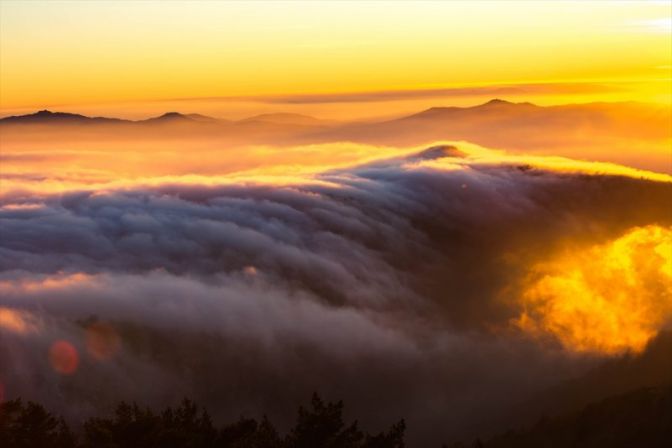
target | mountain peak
[
  {"x": 46, "y": 116},
  {"x": 437, "y": 152},
  {"x": 172, "y": 115},
  {"x": 178, "y": 117},
  {"x": 496, "y": 102},
  {"x": 169, "y": 117},
  {"x": 499, "y": 102}
]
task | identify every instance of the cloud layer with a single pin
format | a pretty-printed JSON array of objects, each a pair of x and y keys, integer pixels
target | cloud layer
[{"x": 391, "y": 285}]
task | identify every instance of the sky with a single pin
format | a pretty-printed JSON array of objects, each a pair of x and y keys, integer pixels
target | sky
[{"x": 123, "y": 56}]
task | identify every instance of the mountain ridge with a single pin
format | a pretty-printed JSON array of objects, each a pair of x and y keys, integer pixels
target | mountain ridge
[{"x": 46, "y": 116}]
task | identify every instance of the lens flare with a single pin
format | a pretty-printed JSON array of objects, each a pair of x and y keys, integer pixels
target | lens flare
[
  {"x": 63, "y": 357},
  {"x": 102, "y": 341},
  {"x": 610, "y": 299}
]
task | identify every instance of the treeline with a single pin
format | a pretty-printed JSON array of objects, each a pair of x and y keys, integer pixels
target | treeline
[
  {"x": 641, "y": 418},
  {"x": 30, "y": 425}
]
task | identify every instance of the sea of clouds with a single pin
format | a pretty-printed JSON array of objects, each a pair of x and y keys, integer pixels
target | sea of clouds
[{"x": 391, "y": 285}]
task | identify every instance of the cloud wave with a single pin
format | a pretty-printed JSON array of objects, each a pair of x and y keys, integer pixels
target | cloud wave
[{"x": 390, "y": 284}]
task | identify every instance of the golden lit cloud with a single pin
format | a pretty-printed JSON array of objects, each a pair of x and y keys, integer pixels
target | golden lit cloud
[
  {"x": 477, "y": 155},
  {"x": 609, "y": 298},
  {"x": 45, "y": 283},
  {"x": 16, "y": 321},
  {"x": 116, "y": 166}
]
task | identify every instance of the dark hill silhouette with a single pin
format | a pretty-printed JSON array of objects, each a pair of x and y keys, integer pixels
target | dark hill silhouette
[
  {"x": 652, "y": 368},
  {"x": 649, "y": 369},
  {"x": 640, "y": 418}
]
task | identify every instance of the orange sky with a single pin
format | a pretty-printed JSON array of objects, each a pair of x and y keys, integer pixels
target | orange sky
[{"x": 123, "y": 58}]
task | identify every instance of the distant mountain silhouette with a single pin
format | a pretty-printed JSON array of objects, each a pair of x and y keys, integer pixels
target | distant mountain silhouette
[
  {"x": 265, "y": 129},
  {"x": 597, "y": 131},
  {"x": 286, "y": 118},
  {"x": 176, "y": 117},
  {"x": 491, "y": 124},
  {"x": 47, "y": 117},
  {"x": 170, "y": 116},
  {"x": 494, "y": 105},
  {"x": 203, "y": 118}
]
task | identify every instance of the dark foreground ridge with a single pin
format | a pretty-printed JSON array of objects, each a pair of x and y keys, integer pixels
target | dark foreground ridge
[{"x": 642, "y": 418}]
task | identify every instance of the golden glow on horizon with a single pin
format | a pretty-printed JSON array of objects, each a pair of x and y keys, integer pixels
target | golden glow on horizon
[
  {"x": 610, "y": 298},
  {"x": 74, "y": 53}
]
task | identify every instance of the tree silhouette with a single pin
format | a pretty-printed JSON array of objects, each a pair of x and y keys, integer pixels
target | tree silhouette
[
  {"x": 320, "y": 425},
  {"x": 323, "y": 426},
  {"x": 133, "y": 426},
  {"x": 247, "y": 433},
  {"x": 31, "y": 426},
  {"x": 638, "y": 418},
  {"x": 394, "y": 438}
]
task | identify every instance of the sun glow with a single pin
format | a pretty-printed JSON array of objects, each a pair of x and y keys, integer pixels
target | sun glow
[
  {"x": 88, "y": 53},
  {"x": 611, "y": 298}
]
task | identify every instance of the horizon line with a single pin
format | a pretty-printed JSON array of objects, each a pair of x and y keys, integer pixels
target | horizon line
[
  {"x": 50, "y": 109},
  {"x": 369, "y": 96}
]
